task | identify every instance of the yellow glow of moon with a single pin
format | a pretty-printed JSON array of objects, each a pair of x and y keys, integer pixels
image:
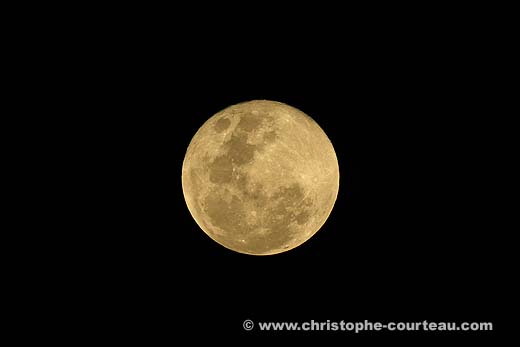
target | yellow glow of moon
[{"x": 260, "y": 177}]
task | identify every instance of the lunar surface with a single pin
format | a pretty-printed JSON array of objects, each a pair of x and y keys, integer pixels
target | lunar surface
[{"x": 260, "y": 177}]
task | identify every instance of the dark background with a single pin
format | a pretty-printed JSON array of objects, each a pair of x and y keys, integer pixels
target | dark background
[
  {"x": 409, "y": 236},
  {"x": 411, "y": 111}
]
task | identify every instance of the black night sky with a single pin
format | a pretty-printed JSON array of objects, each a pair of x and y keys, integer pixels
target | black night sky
[{"x": 412, "y": 231}]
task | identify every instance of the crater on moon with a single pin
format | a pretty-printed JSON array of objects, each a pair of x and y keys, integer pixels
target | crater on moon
[
  {"x": 258, "y": 177},
  {"x": 222, "y": 124}
]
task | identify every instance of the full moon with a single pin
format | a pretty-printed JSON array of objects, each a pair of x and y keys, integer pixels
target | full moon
[{"x": 260, "y": 177}]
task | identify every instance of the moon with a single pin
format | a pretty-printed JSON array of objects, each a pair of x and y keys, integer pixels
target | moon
[{"x": 260, "y": 177}]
